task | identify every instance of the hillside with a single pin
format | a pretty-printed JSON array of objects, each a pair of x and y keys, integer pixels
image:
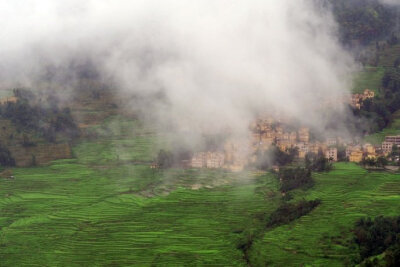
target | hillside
[
  {"x": 127, "y": 214},
  {"x": 200, "y": 133}
]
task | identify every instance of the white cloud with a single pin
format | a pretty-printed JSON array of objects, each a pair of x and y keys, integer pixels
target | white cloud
[{"x": 216, "y": 60}]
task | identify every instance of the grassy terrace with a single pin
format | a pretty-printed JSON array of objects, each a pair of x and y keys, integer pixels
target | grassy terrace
[
  {"x": 369, "y": 78},
  {"x": 67, "y": 214},
  {"x": 106, "y": 208},
  {"x": 320, "y": 238}
]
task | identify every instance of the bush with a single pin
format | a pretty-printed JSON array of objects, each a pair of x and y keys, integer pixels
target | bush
[
  {"x": 317, "y": 163},
  {"x": 288, "y": 212},
  {"x": 6, "y": 160},
  {"x": 47, "y": 120},
  {"x": 292, "y": 178},
  {"x": 374, "y": 237},
  {"x": 165, "y": 159},
  {"x": 275, "y": 156}
]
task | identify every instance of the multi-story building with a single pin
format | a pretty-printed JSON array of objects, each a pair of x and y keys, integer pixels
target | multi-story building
[
  {"x": 304, "y": 135},
  {"x": 331, "y": 154},
  {"x": 395, "y": 139},
  {"x": 199, "y": 160},
  {"x": 387, "y": 147},
  {"x": 356, "y": 156},
  {"x": 215, "y": 160}
]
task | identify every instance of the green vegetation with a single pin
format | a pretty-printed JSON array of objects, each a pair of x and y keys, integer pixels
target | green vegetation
[
  {"x": 108, "y": 202},
  {"x": 370, "y": 78},
  {"x": 292, "y": 178},
  {"x": 275, "y": 156},
  {"x": 317, "y": 163},
  {"x": 364, "y": 21},
  {"x": 288, "y": 212},
  {"x": 392, "y": 129},
  {"x": 6, "y": 160},
  {"x": 322, "y": 237},
  {"x": 374, "y": 237},
  {"x": 72, "y": 213},
  {"x": 130, "y": 214},
  {"x": 43, "y": 118}
]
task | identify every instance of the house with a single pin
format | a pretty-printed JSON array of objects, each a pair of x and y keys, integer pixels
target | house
[
  {"x": 215, "y": 160},
  {"x": 199, "y": 160},
  {"x": 395, "y": 140},
  {"x": 293, "y": 137},
  {"x": 331, "y": 141},
  {"x": 356, "y": 156},
  {"x": 368, "y": 94},
  {"x": 304, "y": 135},
  {"x": 369, "y": 151},
  {"x": 11, "y": 99},
  {"x": 357, "y": 99},
  {"x": 351, "y": 148},
  {"x": 331, "y": 154},
  {"x": 303, "y": 149},
  {"x": 387, "y": 147}
]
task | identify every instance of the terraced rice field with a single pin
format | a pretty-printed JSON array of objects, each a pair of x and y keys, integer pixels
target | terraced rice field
[
  {"x": 68, "y": 215},
  {"x": 320, "y": 238},
  {"x": 370, "y": 78},
  {"x": 105, "y": 208}
]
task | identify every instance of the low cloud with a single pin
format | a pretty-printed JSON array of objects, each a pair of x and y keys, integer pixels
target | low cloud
[
  {"x": 390, "y": 2},
  {"x": 215, "y": 63}
]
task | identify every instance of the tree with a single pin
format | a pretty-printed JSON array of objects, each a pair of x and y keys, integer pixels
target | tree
[
  {"x": 6, "y": 159},
  {"x": 164, "y": 159},
  {"x": 318, "y": 162},
  {"x": 292, "y": 178},
  {"x": 381, "y": 161}
]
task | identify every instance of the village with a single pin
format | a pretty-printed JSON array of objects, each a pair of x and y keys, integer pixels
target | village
[{"x": 266, "y": 132}]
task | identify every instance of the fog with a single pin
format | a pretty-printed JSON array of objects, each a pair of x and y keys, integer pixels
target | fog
[
  {"x": 215, "y": 63},
  {"x": 390, "y": 2}
]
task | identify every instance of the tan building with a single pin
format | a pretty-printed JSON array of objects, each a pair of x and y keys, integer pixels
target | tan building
[
  {"x": 351, "y": 148},
  {"x": 11, "y": 99},
  {"x": 199, "y": 160},
  {"x": 368, "y": 94},
  {"x": 207, "y": 160},
  {"x": 331, "y": 141},
  {"x": 293, "y": 137},
  {"x": 331, "y": 154},
  {"x": 369, "y": 151},
  {"x": 356, "y": 156},
  {"x": 304, "y": 135},
  {"x": 357, "y": 99},
  {"x": 303, "y": 149},
  {"x": 215, "y": 160}
]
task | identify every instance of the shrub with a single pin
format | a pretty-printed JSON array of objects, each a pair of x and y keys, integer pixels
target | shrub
[
  {"x": 292, "y": 178},
  {"x": 6, "y": 160}
]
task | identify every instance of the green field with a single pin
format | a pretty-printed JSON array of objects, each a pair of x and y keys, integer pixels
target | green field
[
  {"x": 370, "y": 78},
  {"x": 107, "y": 207},
  {"x": 321, "y": 237}
]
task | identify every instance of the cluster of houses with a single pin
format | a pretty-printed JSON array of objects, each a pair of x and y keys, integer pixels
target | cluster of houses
[
  {"x": 357, "y": 99},
  {"x": 233, "y": 157},
  {"x": 266, "y": 132},
  {"x": 263, "y": 134},
  {"x": 356, "y": 153}
]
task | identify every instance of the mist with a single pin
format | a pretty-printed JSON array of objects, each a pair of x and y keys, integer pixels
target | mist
[
  {"x": 390, "y": 2},
  {"x": 213, "y": 65}
]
